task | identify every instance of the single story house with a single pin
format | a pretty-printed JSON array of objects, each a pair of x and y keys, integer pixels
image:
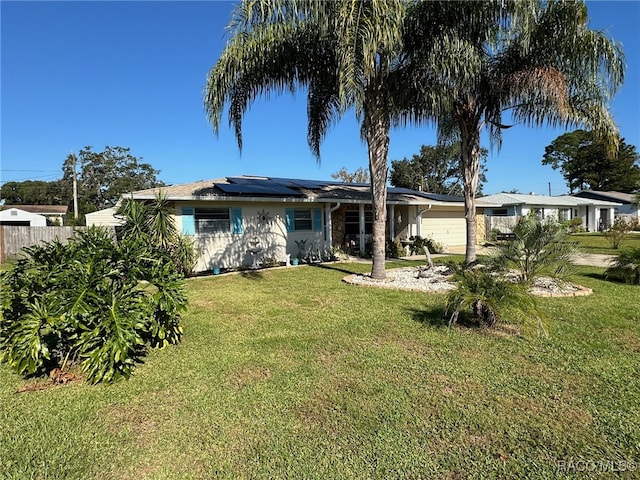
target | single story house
[
  {"x": 104, "y": 218},
  {"x": 21, "y": 218},
  {"x": 33, "y": 215},
  {"x": 509, "y": 207},
  {"x": 233, "y": 217},
  {"x": 626, "y": 201}
]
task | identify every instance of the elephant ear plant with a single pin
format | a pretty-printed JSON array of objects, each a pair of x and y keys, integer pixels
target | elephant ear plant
[{"x": 93, "y": 303}]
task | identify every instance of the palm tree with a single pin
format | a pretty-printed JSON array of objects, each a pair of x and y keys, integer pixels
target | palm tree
[
  {"x": 342, "y": 51},
  {"x": 538, "y": 60}
]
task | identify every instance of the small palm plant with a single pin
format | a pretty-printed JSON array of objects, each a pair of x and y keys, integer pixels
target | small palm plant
[
  {"x": 538, "y": 248},
  {"x": 491, "y": 300},
  {"x": 626, "y": 266}
]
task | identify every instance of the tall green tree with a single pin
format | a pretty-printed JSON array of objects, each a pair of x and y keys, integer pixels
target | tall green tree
[
  {"x": 360, "y": 175},
  {"x": 104, "y": 176},
  {"x": 583, "y": 159},
  {"x": 35, "y": 192},
  {"x": 539, "y": 61},
  {"x": 435, "y": 169},
  {"x": 343, "y": 52}
]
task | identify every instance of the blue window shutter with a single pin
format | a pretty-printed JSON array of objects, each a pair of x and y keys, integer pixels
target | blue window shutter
[
  {"x": 317, "y": 220},
  {"x": 188, "y": 221},
  {"x": 236, "y": 220},
  {"x": 289, "y": 219}
]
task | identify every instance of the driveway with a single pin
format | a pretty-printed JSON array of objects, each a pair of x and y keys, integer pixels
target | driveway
[{"x": 594, "y": 259}]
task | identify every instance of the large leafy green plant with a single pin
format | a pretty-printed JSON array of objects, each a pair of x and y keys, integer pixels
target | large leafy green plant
[{"x": 92, "y": 302}]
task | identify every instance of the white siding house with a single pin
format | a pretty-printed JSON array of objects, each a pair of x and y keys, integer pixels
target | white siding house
[
  {"x": 595, "y": 214},
  {"x": 103, "y": 218},
  {"x": 18, "y": 217}
]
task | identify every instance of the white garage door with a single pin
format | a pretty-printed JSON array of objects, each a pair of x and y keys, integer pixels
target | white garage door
[{"x": 447, "y": 227}]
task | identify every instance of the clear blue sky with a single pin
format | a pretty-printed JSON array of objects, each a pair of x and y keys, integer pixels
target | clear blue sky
[{"x": 132, "y": 74}]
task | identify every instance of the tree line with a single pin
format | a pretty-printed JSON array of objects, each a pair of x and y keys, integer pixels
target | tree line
[{"x": 102, "y": 177}]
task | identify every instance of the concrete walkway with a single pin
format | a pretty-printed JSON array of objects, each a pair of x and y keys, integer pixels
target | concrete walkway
[{"x": 587, "y": 259}]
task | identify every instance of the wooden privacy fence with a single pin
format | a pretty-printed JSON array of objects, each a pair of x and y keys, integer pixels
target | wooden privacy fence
[{"x": 13, "y": 238}]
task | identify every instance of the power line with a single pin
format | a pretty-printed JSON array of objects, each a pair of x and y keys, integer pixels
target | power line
[{"x": 12, "y": 170}]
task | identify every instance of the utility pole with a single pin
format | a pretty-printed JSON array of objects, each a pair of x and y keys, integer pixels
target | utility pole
[
  {"x": 549, "y": 188},
  {"x": 75, "y": 187}
]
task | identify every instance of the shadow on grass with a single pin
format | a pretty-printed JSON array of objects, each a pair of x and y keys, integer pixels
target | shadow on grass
[
  {"x": 433, "y": 317},
  {"x": 437, "y": 317},
  {"x": 594, "y": 275},
  {"x": 252, "y": 274},
  {"x": 336, "y": 267}
]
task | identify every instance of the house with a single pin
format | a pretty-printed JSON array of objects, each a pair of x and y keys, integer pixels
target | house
[
  {"x": 235, "y": 218},
  {"x": 33, "y": 215},
  {"x": 627, "y": 207},
  {"x": 104, "y": 218},
  {"x": 509, "y": 207}
]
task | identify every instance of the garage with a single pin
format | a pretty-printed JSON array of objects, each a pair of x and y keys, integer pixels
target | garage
[{"x": 446, "y": 226}]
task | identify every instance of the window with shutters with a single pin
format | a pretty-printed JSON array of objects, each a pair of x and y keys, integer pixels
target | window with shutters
[{"x": 212, "y": 220}]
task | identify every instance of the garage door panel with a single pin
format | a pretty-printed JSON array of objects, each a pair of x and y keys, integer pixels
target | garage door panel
[{"x": 445, "y": 227}]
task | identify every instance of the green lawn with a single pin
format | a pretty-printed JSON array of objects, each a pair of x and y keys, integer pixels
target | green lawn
[
  {"x": 292, "y": 374},
  {"x": 597, "y": 243}
]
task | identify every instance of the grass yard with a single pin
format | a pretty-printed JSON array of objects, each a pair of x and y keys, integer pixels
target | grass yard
[
  {"x": 597, "y": 243},
  {"x": 292, "y": 374}
]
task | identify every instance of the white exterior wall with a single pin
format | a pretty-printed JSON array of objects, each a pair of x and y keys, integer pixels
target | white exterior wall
[
  {"x": 227, "y": 249},
  {"x": 17, "y": 215},
  {"x": 103, "y": 218}
]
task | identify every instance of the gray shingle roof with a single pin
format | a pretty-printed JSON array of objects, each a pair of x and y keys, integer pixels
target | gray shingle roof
[{"x": 543, "y": 200}]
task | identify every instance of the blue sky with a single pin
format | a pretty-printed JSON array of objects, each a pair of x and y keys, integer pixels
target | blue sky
[{"x": 132, "y": 74}]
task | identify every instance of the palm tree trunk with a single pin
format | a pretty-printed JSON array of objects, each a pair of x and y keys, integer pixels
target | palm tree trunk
[
  {"x": 376, "y": 132},
  {"x": 470, "y": 155}
]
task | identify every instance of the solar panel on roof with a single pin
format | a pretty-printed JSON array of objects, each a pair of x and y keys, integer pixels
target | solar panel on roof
[{"x": 253, "y": 189}]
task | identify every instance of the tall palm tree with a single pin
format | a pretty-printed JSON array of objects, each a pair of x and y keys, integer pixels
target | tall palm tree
[
  {"x": 342, "y": 51},
  {"x": 538, "y": 60}
]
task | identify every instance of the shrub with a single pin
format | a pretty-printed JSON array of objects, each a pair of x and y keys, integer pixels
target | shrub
[
  {"x": 91, "y": 302},
  {"x": 490, "y": 299},
  {"x": 626, "y": 266},
  {"x": 419, "y": 245},
  {"x": 575, "y": 225},
  {"x": 538, "y": 248},
  {"x": 617, "y": 233},
  {"x": 152, "y": 222},
  {"x": 395, "y": 249}
]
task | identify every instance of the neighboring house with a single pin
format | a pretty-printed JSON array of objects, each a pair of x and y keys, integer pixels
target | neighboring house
[
  {"x": 627, "y": 206},
  {"x": 21, "y": 218},
  {"x": 595, "y": 214},
  {"x": 104, "y": 218},
  {"x": 230, "y": 217},
  {"x": 54, "y": 214}
]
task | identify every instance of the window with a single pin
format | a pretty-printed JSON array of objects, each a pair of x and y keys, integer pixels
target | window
[
  {"x": 499, "y": 212},
  {"x": 564, "y": 214},
  {"x": 212, "y": 220},
  {"x": 352, "y": 222},
  {"x": 302, "y": 219}
]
